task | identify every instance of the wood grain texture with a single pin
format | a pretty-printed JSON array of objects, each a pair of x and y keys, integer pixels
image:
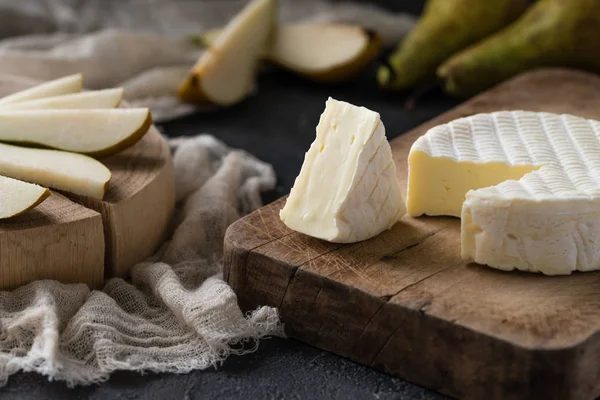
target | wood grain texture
[
  {"x": 138, "y": 204},
  {"x": 405, "y": 303},
  {"x": 57, "y": 240},
  {"x": 73, "y": 238}
]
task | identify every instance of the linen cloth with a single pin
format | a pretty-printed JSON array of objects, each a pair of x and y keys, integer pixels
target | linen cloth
[
  {"x": 175, "y": 314},
  {"x": 145, "y": 46}
]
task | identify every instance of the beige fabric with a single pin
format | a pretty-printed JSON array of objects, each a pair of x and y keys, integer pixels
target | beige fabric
[
  {"x": 144, "y": 45},
  {"x": 176, "y": 314}
]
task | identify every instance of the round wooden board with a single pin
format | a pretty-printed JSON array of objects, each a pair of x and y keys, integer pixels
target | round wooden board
[{"x": 62, "y": 238}]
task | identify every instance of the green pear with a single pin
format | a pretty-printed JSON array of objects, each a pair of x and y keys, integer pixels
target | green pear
[
  {"x": 445, "y": 27},
  {"x": 551, "y": 33}
]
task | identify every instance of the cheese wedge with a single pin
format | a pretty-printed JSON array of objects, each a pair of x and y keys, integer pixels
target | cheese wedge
[
  {"x": 18, "y": 197},
  {"x": 92, "y": 132},
  {"x": 106, "y": 98},
  {"x": 347, "y": 190},
  {"x": 71, "y": 172},
  {"x": 66, "y": 85},
  {"x": 525, "y": 184}
]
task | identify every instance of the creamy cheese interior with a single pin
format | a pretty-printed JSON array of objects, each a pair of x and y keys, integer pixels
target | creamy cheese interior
[
  {"x": 536, "y": 175},
  {"x": 328, "y": 170},
  {"x": 438, "y": 185}
]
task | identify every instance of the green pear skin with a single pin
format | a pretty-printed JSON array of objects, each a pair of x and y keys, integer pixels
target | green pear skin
[
  {"x": 445, "y": 27},
  {"x": 552, "y": 33}
]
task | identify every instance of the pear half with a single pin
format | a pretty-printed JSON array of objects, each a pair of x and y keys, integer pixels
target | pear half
[
  {"x": 66, "y": 85},
  {"x": 91, "y": 132},
  {"x": 71, "y": 172},
  {"x": 225, "y": 73},
  {"x": 18, "y": 197},
  {"x": 106, "y": 98}
]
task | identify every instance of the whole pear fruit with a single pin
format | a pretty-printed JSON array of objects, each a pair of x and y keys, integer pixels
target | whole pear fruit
[
  {"x": 551, "y": 33},
  {"x": 445, "y": 27}
]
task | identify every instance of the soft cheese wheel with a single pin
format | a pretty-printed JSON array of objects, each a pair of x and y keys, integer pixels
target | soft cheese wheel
[
  {"x": 347, "y": 189},
  {"x": 525, "y": 184}
]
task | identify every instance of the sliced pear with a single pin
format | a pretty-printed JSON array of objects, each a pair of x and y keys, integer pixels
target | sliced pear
[
  {"x": 18, "y": 197},
  {"x": 98, "y": 99},
  {"x": 66, "y": 85},
  {"x": 225, "y": 73},
  {"x": 71, "y": 172},
  {"x": 91, "y": 132},
  {"x": 327, "y": 53},
  {"x": 208, "y": 37}
]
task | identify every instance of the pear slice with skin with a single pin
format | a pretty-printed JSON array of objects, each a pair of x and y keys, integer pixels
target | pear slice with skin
[
  {"x": 209, "y": 37},
  {"x": 225, "y": 74},
  {"x": 326, "y": 53},
  {"x": 95, "y": 99},
  {"x": 71, "y": 172},
  {"x": 91, "y": 132},
  {"x": 66, "y": 85},
  {"x": 18, "y": 197}
]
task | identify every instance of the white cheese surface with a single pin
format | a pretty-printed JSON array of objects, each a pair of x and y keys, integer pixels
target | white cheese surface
[
  {"x": 525, "y": 184},
  {"x": 347, "y": 190}
]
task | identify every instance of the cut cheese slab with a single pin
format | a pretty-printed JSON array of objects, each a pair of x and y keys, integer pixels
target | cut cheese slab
[
  {"x": 92, "y": 132},
  {"x": 347, "y": 189},
  {"x": 525, "y": 184},
  {"x": 106, "y": 98},
  {"x": 17, "y": 197},
  {"x": 66, "y": 85},
  {"x": 60, "y": 170}
]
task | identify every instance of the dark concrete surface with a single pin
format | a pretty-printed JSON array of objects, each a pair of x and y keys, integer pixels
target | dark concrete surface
[
  {"x": 281, "y": 369},
  {"x": 277, "y": 125}
]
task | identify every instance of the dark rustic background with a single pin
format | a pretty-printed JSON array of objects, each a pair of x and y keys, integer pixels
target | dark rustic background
[{"x": 277, "y": 126}]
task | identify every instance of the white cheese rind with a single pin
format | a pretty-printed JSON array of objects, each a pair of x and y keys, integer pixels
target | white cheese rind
[
  {"x": 347, "y": 190},
  {"x": 548, "y": 221}
]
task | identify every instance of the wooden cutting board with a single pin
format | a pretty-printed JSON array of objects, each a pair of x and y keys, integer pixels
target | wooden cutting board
[
  {"x": 75, "y": 239},
  {"x": 405, "y": 303}
]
